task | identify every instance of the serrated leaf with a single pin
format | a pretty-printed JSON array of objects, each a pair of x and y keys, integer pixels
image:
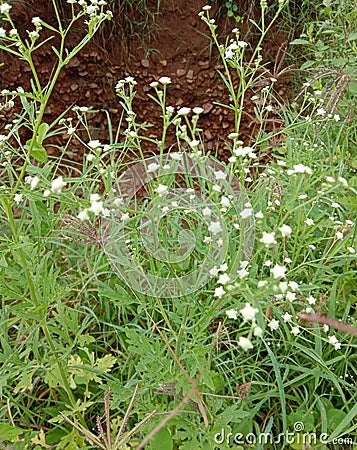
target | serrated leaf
[
  {"x": 106, "y": 363},
  {"x": 8, "y": 432},
  {"x": 40, "y": 439}
]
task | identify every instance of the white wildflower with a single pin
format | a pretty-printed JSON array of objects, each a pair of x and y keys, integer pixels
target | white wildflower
[
  {"x": 334, "y": 341},
  {"x": 220, "y": 175},
  {"x": 58, "y": 184},
  {"x": 83, "y": 215},
  {"x": 152, "y": 167},
  {"x": 161, "y": 189},
  {"x": 18, "y": 198},
  {"x": 215, "y": 228},
  {"x": 5, "y": 8},
  {"x": 94, "y": 144},
  {"x": 183, "y": 111},
  {"x": 245, "y": 343},
  {"x": 96, "y": 207},
  {"x": 278, "y": 271},
  {"x": 165, "y": 80},
  {"x": 223, "y": 279},
  {"x": 219, "y": 292},
  {"x": 311, "y": 300},
  {"x": 248, "y": 312},
  {"x": 247, "y": 212},
  {"x": 274, "y": 324},
  {"x": 232, "y": 314},
  {"x": 268, "y": 238},
  {"x": 299, "y": 168},
  {"x": 257, "y": 331},
  {"x": 285, "y": 230}
]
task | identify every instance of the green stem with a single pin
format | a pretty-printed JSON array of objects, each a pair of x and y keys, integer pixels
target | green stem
[
  {"x": 6, "y": 202},
  {"x": 62, "y": 371}
]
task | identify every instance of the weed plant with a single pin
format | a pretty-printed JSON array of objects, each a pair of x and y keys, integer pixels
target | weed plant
[{"x": 171, "y": 301}]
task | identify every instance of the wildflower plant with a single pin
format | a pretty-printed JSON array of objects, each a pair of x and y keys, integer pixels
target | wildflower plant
[{"x": 229, "y": 307}]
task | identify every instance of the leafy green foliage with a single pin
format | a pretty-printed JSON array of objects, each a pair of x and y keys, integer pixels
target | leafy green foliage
[{"x": 225, "y": 362}]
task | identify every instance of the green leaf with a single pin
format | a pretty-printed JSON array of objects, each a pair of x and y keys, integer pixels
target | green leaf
[
  {"x": 38, "y": 152},
  {"x": 300, "y": 42},
  {"x": 352, "y": 87},
  {"x": 42, "y": 131},
  {"x": 307, "y": 65},
  {"x": 3, "y": 262},
  {"x": 334, "y": 418},
  {"x": 106, "y": 363},
  {"x": 161, "y": 441},
  {"x": 8, "y": 432},
  {"x": 351, "y": 202},
  {"x": 302, "y": 416},
  {"x": 352, "y": 36}
]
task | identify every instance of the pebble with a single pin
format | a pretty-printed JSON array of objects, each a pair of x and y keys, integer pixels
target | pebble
[{"x": 207, "y": 108}]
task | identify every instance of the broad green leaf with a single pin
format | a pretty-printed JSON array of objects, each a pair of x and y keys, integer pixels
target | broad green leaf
[
  {"x": 161, "y": 441},
  {"x": 42, "y": 131},
  {"x": 38, "y": 151},
  {"x": 301, "y": 416},
  {"x": 307, "y": 65},
  {"x": 334, "y": 418},
  {"x": 8, "y": 432}
]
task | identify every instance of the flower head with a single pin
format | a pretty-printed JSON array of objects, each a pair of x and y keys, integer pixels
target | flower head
[
  {"x": 334, "y": 341},
  {"x": 278, "y": 271},
  {"x": 285, "y": 230},
  {"x": 183, "y": 111},
  {"x": 5, "y": 8},
  {"x": 215, "y": 228},
  {"x": 161, "y": 189},
  {"x": 245, "y": 343},
  {"x": 268, "y": 238},
  {"x": 274, "y": 324},
  {"x": 219, "y": 292},
  {"x": 248, "y": 312},
  {"x": 232, "y": 314},
  {"x": 58, "y": 184},
  {"x": 165, "y": 80}
]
